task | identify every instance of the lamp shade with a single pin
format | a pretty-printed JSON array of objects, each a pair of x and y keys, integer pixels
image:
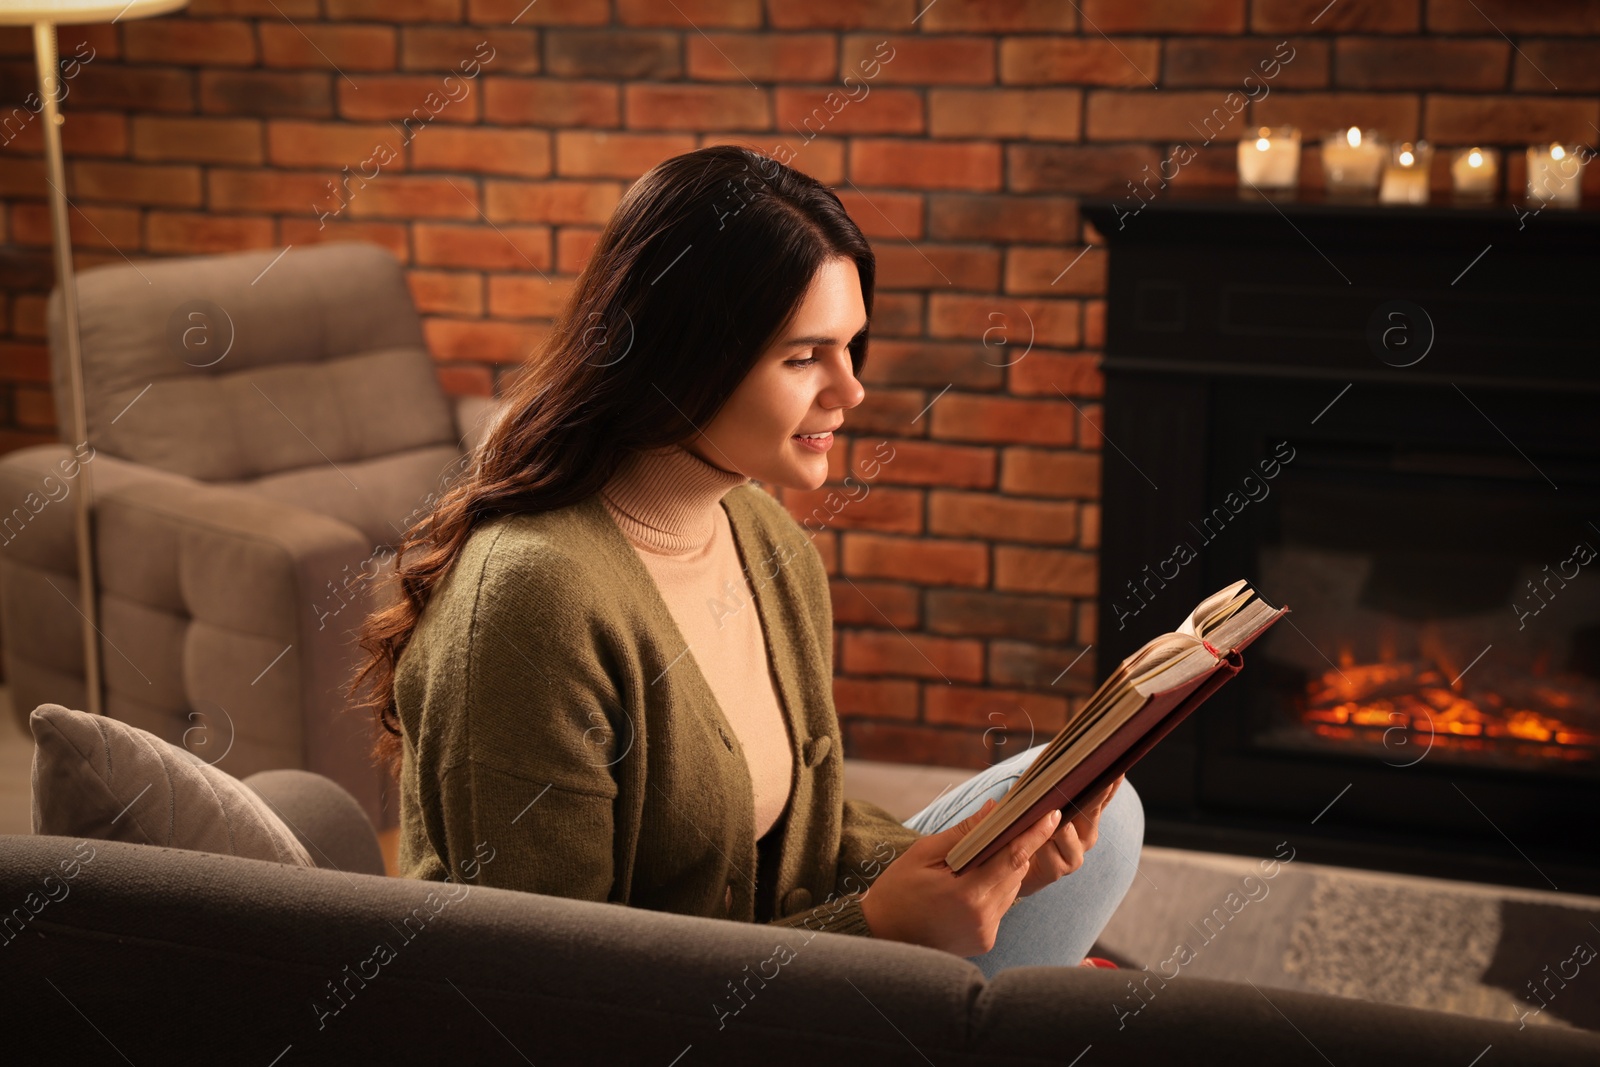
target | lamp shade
[{"x": 71, "y": 12}]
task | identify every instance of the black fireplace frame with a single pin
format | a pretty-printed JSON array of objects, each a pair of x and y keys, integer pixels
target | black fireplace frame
[{"x": 1215, "y": 296}]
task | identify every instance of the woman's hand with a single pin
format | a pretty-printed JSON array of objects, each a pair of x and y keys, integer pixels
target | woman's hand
[
  {"x": 918, "y": 899},
  {"x": 1064, "y": 852}
]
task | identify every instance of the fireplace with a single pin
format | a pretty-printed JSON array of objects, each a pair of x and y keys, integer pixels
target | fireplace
[{"x": 1338, "y": 402}]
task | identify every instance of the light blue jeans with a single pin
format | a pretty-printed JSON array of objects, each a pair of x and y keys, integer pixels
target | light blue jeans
[{"x": 1058, "y": 924}]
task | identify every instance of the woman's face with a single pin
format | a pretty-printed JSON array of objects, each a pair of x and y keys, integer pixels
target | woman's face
[{"x": 802, "y": 385}]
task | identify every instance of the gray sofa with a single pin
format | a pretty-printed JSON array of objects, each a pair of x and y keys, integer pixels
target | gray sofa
[
  {"x": 141, "y": 954},
  {"x": 264, "y": 425}
]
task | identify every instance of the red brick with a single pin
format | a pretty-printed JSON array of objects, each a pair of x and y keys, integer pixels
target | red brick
[
  {"x": 319, "y": 46},
  {"x": 1039, "y": 570},
  {"x": 125, "y": 88},
  {"x": 863, "y": 14},
  {"x": 1056, "y": 271},
  {"x": 34, "y": 408},
  {"x": 877, "y": 605},
  {"x": 465, "y": 380},
  {"x": 553, "y": 201},
  {"x": 963, "y": 216},
  {"x": 912, "y": 654},
  {"x": 691, "y": 14},
  {"x": 589, "y": 154},
  {"x": 1127, "y": 62},
  {"x": 995, "y": 16},
  {"x": 484, "y": 150},
  {"x": 962, "y": 417},
  {"x": 87, "y": 42},
  {"x": 1190, "y": 16},
  {"x": 926, "y": 463},
  {"x": 396, "y": 10},
  {"x": 1002, "y": 320},
  {"x": 1346, "y": 16},
  {"x": 917, "y": 60},
  {"x": 1397, "y": 116},
  {"x": 418, "y": 99},
  {"x": 874, "y": 698},
  {"x": 516, "y": 248},
  {"x": 295, "y": 9},
  {"x": 29, "y": 316},
  {"x": 469, "y": 51},
  {"x": 446, "y": 292},
  {"x": 1075, "y": 168},
  {"x": 294, "y": 192},
  {"x": 200, "y": 42},
  {"x": 911, "y": 559},
  {"x": 479, "y": 341},
  {"x": 807, "y": 111},
  {"x": 197, "y": 233},
  {"x": 1509, "y": 119},
  {"x": 1570, "y": 64},
  {"x": 574, "y": 245},
  {"x": 626, "y": 55},
  {"x": 922, "y": 165},
  {"x": 292, "y": 143},
  {"x": 84, "y": 133},
  {"x": 399, "y": 196},
  {"x": 1090, "y": 419},
  {"x": 522, "y": 13},
  {"x": 1060, "y": 668},
  {"x": 522, "y": 296},
  {"x": 884, "y": 214},
  {"x": 903, "y": 266},
  {"x": 548, "y": 102},
  {"x": 696, "y": 107},
  {"x": 845, "y": 508},
  {"x": 1054, "y": 374},
  {"x": 194, "y": 140},
  {"x": 1094, "y": 324},
  {"x": 1031, "y": 114},
  {"x": 1225, "y": 62},
  {"x": 23, "y": 177},
  {"x": 391, "y": 235},
  {"x": 1089, "y": 526},
  {"x": 935, "y": 364},
  {"x": 925, "y": 746},
  {"x": 1049, "y": 472},
  {"x": 271, "y": 94},
  {"x": 1563, "y": 17},
  {"x": 1014, "y": 720},
  {"x": 896, "y": 314},
  {"x": 1422, "y": 63},
  {"x": 790, "y": 57},
  {"x": 992, "y": 517},
  {"x": 91, "y": 226},
  {"x": 24, "y": 363},
  {"x": 1166, "y": 115},
  {"x": 137, "y": 183}
]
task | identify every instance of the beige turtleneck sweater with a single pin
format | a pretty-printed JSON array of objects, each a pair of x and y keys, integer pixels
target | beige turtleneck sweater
[{"x": 668, "y": 504}]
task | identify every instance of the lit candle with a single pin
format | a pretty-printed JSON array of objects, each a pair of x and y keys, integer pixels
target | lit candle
[
  {"x": 1473, "y": 172},
  {"x": 1553, "y": 173},
  {"x": 1352, "y": 160},
  {"x": 1271, "y": 159},
  {"x": 1405, "y": 178}
]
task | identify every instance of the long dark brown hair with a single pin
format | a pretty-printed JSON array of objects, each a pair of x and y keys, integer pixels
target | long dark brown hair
[{"x": 699, "y": 270}]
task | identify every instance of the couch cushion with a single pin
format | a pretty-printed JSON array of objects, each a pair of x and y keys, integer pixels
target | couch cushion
[{"x": 99, "y": 778}]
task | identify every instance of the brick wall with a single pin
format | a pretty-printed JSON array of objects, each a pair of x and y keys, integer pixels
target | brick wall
[{"x": 965, "y": 576}]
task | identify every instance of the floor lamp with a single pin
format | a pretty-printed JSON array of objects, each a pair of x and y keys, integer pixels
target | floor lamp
[{"x": 44, "y": 16}]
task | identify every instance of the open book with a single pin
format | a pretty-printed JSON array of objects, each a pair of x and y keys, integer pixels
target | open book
[{"x": 1151, "y": 692}]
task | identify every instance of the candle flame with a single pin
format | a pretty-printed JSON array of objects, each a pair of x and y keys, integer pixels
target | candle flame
[
  {"x": 1557, "y": 152},
  {"x": 1262, "y": 144},
  {"x": 1406, "y": 159},
  {"x": 1474, "y": 158},
  {"x": 1354, "y": 137}
]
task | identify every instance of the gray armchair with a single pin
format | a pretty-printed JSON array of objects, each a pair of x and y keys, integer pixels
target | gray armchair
[{"x": 263, "y": 430}]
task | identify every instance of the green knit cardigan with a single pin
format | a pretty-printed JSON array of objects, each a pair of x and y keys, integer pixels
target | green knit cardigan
[{"x": 560, "y": 738}]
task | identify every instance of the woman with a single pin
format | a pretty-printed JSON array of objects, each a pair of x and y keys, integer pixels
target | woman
[{"x": 610, "y": 674}]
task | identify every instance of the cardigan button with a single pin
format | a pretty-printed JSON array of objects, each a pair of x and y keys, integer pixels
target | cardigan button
[
  {"x": 817, "y": 749},
  {"x": 796, "y": 900}
]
